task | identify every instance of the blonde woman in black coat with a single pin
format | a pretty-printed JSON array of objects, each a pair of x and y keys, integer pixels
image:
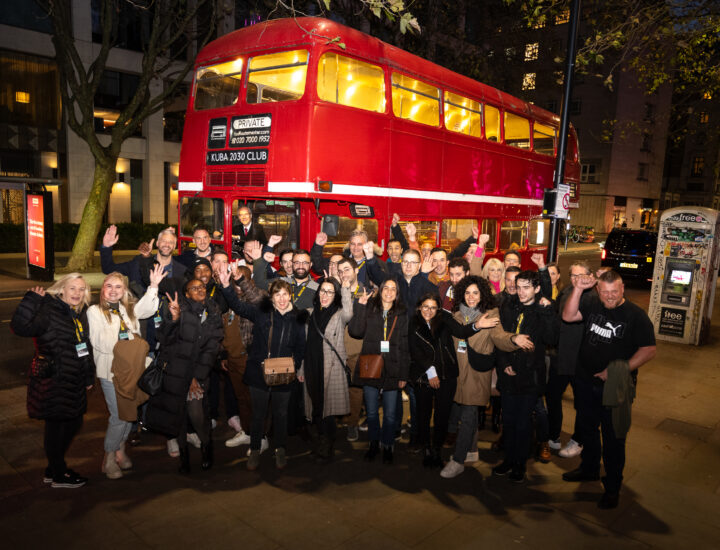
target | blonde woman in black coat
[{"x": 62, "y": 370}]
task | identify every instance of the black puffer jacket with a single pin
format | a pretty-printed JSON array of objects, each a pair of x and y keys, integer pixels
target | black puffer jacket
[
  {"x": 288, "y": 337},
  {"x": 435, "y": 348},
  {"x": 368, "y": 325},
  {"x": 190, "y": 348},
  {"x": 50, "y": 321}
]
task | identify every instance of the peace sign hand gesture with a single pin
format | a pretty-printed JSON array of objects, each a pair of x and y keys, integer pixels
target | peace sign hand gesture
[
  {"x": 173, "y": 306},
  {"x": 364, "y": 297}
]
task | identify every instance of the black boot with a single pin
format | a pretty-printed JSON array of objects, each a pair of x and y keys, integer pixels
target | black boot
[
  {"x": 387, "y": 455},
  {"x": 207, "y": 455},
  {"x": 427, "y": 457},
  {"x": 481, "y": 418},
  {"x": 436, "y": 458},
  {"x": 324, "y": 449},
  {"x": 372, "y": 451},
  {"x": 184, "y": 460}
]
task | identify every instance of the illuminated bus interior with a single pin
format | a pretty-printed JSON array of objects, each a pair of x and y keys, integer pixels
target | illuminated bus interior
[
  {"x": 277, "y": 76},
  {"x": 415, "y": 100},
  {"x": 347, "y": 81},
  {"x": 463, "y": 115},
  {"x": 218, "y": 85}
]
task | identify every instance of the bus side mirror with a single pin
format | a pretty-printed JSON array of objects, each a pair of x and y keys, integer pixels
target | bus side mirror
[{"x": 330, "y": 225}]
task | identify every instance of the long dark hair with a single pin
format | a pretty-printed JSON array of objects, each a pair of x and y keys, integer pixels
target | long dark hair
[
  {"x": 398, "y": 306},
  {"x": 487, "y": 300},
  {"x": 437, "y": 319},
  {"x": 337, "y": 300}
]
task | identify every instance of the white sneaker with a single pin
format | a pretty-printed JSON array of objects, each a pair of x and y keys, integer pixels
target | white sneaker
[
  {"x": 194, "y": 440},
  {"x": 555, "y": 445},
  {"x": 264, "y": 446},
  {"x": 172, "y": 447},
  {"x": 573, "y": 448},
  {"x": 213, "y": 423},
  {"x": 452, "y": 469},
  {"x": 472, "y": 457},
  {"x": 240, "y": 438}
]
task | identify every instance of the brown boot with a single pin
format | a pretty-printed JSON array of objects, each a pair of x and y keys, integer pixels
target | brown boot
[{"x": 544, "y": 454}]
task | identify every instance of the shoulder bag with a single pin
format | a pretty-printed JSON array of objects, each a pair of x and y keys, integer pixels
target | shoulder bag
[
  {"x": 370, "y": 365},
  {"x": 329, "y": 343},
  {"x": 151, "y": 379},
  {"x": 277, "y": 370}
]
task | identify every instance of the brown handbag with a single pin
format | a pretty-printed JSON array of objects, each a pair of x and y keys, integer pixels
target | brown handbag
[
  {"x": 277, "y": 370},
  {"x": 370, "y": 365}
]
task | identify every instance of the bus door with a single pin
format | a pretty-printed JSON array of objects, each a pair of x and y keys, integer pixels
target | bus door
[
  {"x": 196, "y": 211},
  {"x": 276, "y": 217}
]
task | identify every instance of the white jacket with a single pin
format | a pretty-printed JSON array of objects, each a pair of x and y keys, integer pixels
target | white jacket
[{"x": 104, "y": 334}]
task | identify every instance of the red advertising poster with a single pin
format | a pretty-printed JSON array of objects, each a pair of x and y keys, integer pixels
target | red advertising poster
[{"x": 36, "y": 230}]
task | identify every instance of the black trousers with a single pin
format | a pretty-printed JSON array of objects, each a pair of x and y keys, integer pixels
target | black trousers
[
  {"x": 58, "y": 436},
  {"x": 591, "y": 415},
  {"x": 556, "y": 386},
  {"x": 440, "y": 401},
  {"x": 517, "y": 426},
  {"x": 228, "y": 393}
]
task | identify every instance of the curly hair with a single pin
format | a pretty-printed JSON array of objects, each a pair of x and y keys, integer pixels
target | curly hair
[{"x": 487, "y": 300}]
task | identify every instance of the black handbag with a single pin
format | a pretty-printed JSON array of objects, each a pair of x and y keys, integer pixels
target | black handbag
[
  {"x": 480, "y": 362},
  {"x": 151, "y": 380}
]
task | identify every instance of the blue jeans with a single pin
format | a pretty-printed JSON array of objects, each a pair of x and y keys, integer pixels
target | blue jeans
[
  {"x": 372, "y": 405},
  {"x": 117, "y": 430},
  {"x": 412, "y": 405}
]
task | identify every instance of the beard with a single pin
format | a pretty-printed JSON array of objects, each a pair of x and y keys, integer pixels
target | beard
[{"x": 300, "y": 273}]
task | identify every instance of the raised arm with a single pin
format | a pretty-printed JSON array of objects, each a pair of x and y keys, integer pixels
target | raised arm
[{"x": 571, "y": 310}]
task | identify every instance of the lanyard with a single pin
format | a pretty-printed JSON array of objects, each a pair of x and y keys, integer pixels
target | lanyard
[
  {"x": 116, "y": 311},
  {"x": 385, "y": 320},
  {"x": 302, "y": 289},
  {"x": 519, "y": 323},
  {"x": 79, "y": 331},
  {"x": 212, "y": 292},
  {"x": 355, "y": 292},
  {"x": 361, "y": 264}
]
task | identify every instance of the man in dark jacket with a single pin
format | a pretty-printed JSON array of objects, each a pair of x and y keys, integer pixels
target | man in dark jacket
[
  {"x": 521, "y": 375},
  {"x": 203, "y": 247},
  {"x": 245, "y": 229}
]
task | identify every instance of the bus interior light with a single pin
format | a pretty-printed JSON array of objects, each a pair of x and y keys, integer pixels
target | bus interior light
[
  {"x": 362, "y": 211},
  {"x": 325, "y": 186}
]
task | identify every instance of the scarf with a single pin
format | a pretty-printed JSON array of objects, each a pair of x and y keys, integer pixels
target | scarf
[{"x": 469, "y": 313}]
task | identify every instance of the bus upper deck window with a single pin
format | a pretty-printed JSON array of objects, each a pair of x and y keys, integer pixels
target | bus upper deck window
[
  {"x": 463, "y": 115},
  {"x": 218, "y": 85},
  {"x": 492, "y": 122},
  {"x": 351, "y": 82},
  {"x": 415, "y": 100},
  {"x": 543, "y": 139},
  {"x": 277, "y": 76},
  {"x": 517, "y": 131}
]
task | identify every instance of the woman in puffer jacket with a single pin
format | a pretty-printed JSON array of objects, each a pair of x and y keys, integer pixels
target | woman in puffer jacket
[{"x": 62, "y": 370}]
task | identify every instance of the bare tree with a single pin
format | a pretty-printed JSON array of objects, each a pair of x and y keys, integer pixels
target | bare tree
[{"x": 173, "y": 29}]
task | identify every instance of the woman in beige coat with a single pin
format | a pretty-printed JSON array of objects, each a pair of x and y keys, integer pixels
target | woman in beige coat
[
  {"x": 324, "y": 371},
  {"x": 476, "y": 359}
]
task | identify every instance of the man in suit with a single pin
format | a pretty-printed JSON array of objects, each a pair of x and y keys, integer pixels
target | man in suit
[{"x": 247, "y": 230}]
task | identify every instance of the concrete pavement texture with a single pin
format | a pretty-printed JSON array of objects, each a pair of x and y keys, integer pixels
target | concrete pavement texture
[{"x": 670, "y": 498}]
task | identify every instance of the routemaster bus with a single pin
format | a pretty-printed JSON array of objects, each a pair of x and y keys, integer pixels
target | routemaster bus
[{"x": 314, "y": 125}]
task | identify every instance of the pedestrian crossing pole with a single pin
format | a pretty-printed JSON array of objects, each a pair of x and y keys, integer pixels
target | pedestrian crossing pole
[{"x": 564, "y": 126}]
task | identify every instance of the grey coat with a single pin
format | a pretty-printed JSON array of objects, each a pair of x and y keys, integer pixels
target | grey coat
[{"x": 337, "y": 400}]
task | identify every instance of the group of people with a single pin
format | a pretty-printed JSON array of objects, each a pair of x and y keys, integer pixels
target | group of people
[{"x": 287, "y": 353}]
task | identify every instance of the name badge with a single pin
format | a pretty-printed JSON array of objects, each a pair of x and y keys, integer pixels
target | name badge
[
  {"x": 82, "y": 349},
  {"x": 123, "y": 335},
  {"x": 462, "y": 346},
  {"x": 157, "y": 320},
  {"x": 384, "y": 346}
]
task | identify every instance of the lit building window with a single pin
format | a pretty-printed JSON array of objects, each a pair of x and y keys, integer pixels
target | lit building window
[
  {"x": 531, "y": 51},
  {"x": 698, "y": 166},
  {"x": 704, "y": 117},
  {"x": 22, "y": 97},
  {"x": 562, "y": 17},
  {"x": 528, "y": 81},
  {"x": 707, "y": 95}
]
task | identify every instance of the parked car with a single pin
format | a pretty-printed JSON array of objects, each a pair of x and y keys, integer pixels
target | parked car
[{"x": 630, "y": 252}]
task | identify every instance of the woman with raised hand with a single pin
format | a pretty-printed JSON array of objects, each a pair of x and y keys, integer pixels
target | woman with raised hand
[
  {"x": 62, "y": 370},
  {"x": 382, "y": 325},
  {"x": 117, "y": 317},
  {"x": 324, "y": 369},
  {"x": 189, "y": 336},
  {"x": 278, "y": 331}
]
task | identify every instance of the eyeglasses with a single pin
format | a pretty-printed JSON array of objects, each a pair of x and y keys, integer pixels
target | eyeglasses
[
  {"x": 326, "y": 292},
  {"x": 408, "y": 262},
  {"x": 428, "y": 308},
  {"x": 195, "y": 288},
  {"x": 301, "y": 263}
]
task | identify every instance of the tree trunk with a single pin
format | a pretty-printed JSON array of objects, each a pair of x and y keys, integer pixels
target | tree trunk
[{"x": 103, "y": 178}]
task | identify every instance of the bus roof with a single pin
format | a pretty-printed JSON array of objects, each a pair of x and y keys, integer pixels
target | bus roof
[{"x": 304, "y": 31}]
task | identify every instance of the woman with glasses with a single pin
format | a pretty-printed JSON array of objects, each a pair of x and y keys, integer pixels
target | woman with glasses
[
  {"x": 382, "y": 325},
  {"x": 189, "y": 336},
  {"x": 323, "y": 371},
  {"x": 434, "y": 369}
]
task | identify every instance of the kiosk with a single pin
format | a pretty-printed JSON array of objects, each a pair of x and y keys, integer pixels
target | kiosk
[{"x": 686, "y": 269}]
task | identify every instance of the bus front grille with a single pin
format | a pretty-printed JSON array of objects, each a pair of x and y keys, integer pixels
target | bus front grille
[{"x": 245, "y": 178}]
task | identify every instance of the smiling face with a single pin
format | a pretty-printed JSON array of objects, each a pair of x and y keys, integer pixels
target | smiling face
[
  {"x": 612, "y": 294},
  {"x": 333, "y": 265},
  {"x": 495, "y": 273},
  {"x": 428, "y": 309},
  {"x": 165, "y": 244},
  {"x": 73, "y": 293},
  {"x": 394, "y": 250},
  {"x": 388, "y": 294},
  {"x": 327, "y": 294},
  {"x": 113, "y": 290},
  {"x": 347, "y": 274},
  {"x": 511, "y": 259},
  {"x": 244, "y": 215},
  {"x": 219, "y": 263},
  {"x": 356, "y": 247},
  {"x": 286, "y": 262},
  {"x": 554, "y": 275},
  {"x": 410, "y": 264},
  {"x": 195, "y": 290},
  {"x": 201, "y": 238},
  {"x": 281, "y": 299},
  {"x": 439, "y": 262},
  {"x": 472, "y": 296},
  {"x": 510, "y": 282},
  {"x": 301, "y": 266},
  {"x": 203, "y": 273},
  {"x": 457, "y": 274}
]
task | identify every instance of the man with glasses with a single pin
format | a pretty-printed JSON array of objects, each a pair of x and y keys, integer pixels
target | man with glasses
[
  {"x": 618, "y": 338},
  {"x": 354, "y": 249},
  {"x": 303, "y": 286}
]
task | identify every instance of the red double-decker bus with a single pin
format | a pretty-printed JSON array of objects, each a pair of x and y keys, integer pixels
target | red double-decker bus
[{"x": 306, "y": 120}]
